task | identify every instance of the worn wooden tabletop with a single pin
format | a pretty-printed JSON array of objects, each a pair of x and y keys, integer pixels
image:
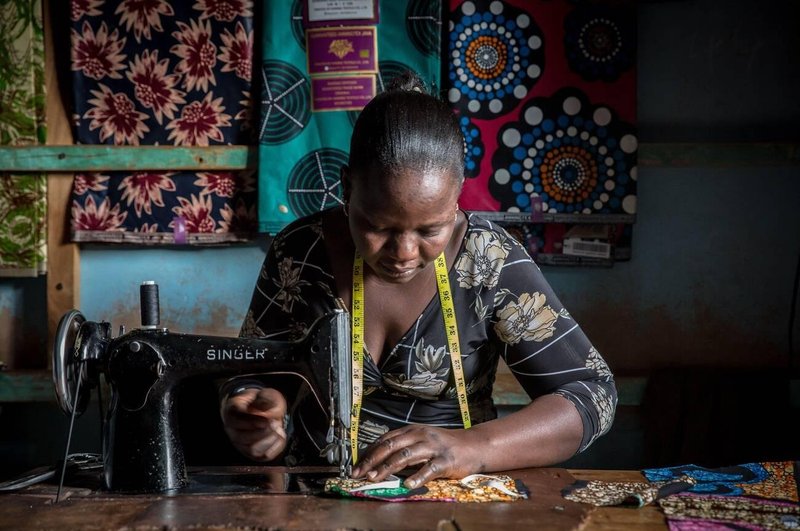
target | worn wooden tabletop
[{"x": 265, "y": 505}]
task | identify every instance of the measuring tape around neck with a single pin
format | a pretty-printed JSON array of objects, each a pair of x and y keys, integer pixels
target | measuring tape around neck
[
  {"x": 451, "y": 329},
  {"x": 358, "y": 338}
]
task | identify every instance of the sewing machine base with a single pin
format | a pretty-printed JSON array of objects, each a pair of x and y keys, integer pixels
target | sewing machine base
[{"x": 217, "y": 480}]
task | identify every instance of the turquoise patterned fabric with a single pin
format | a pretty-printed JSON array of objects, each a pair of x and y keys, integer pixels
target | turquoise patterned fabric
[{"x": 301, "y": 152}]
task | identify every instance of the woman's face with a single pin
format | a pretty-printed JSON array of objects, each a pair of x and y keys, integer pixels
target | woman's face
[{"x": 402, "y": 222}]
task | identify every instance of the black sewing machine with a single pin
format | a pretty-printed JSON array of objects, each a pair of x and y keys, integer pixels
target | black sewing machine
[{"x": 142, "y": 451}]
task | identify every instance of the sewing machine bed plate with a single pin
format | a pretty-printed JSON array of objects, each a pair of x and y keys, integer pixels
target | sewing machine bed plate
[
  {"x": 257, "y": 480},
  {"x": 221, "y": 480}
]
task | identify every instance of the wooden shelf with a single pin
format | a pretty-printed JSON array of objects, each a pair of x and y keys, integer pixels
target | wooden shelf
[
  {"x": 26, "y": 386},
  {"x": 95, "y": 158}
]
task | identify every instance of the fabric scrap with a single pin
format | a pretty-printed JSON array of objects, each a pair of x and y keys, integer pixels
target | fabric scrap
[
  {"x": 440, "y": 490},
  {"x": 692, "y": 511},
  {"x": 624, "y": 493},
  {"x": 769, "y": 480}
]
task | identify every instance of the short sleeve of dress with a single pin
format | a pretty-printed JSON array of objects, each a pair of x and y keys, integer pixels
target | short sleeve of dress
[{"x": 544, "y": 347}]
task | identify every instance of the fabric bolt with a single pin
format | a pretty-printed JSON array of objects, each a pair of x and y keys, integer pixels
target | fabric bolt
[
  {"x": 439, "y": 490},
  {"x": 504, "y": 308},
  {"x": 301, "y": 152},
  {"x": 546, "y": 95},
  {"x": 162, "y": 73},
  {"x": 23, "y": 207}
]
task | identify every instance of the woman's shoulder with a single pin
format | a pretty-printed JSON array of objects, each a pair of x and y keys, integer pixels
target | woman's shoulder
[
  {"x": 300, "y": 229},
  {"x": 480, "y": 228},
  {"x": 476, "y": 221}
]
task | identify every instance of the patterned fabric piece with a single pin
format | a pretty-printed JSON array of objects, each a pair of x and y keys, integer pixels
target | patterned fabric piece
[
  {"x": 546, "y": 93},
  {"x": 162, "y": 73},
  {"x": 693, "y": 512},
  {"x": 301, "y": 153},
  {"x": 23, "y": 236},
  {"x": 770, "y": 480},
  {"x": 441, "y": 490},
  {"x": 504, "y": 307},
  {"x": 637, "y": 494}
]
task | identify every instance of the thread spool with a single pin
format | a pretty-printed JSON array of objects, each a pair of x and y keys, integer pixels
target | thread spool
[{"x": 148, "y": 304}]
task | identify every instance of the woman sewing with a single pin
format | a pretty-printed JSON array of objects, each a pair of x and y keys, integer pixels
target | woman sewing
[{"x": 402, "y": 253}]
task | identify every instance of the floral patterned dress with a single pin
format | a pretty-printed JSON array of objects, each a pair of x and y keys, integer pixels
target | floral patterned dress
[{"x": 504, "y": 308}]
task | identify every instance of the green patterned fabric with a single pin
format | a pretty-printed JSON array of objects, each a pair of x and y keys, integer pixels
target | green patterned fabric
[
  {"x": 300, "y": 151},
  {"x": 22, "y": 197}
]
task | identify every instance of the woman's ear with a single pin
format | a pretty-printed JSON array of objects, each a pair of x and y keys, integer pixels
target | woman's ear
[{"x": 347, "y": 184}]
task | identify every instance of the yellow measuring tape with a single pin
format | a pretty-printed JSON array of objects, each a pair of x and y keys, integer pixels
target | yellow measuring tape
[
  {"x": 357, "y": 343},
  {"x": 446, "y": 299},
  {"x": 357, "y": 347}
]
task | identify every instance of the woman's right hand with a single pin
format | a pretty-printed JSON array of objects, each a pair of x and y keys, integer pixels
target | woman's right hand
[{"x": 254, "y": 423}]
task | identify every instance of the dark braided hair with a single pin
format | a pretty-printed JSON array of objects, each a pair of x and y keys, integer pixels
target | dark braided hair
[{"x": 406, "y": 128}]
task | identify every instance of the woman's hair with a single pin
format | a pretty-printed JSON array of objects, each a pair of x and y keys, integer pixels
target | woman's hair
[{"x": 406, "y": 128}]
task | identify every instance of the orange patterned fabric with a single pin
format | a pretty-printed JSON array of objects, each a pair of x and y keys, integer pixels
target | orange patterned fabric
[{"x": 498, "y": 488}]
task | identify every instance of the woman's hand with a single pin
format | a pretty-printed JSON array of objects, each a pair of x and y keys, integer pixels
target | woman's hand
[
  {"x": 439, "y": 453},
  {"x": 253, "y": 420}
]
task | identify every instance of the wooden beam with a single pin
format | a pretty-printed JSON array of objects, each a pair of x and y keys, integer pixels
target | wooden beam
[
  {"x": 97, "y": 158},
  {"x": 70, "y": 158},
  {"x": 718, "y": 155},
  {"x": 63, "y": 270}
]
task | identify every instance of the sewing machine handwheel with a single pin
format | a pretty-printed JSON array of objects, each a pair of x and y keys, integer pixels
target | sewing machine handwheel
[{"x": 67, "y": 365}]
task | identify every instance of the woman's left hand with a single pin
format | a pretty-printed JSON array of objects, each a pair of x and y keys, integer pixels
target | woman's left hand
[{"x": 441, "y": 453}]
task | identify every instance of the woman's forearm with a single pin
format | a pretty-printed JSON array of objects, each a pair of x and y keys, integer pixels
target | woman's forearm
[{"x": 545, "y": 432}]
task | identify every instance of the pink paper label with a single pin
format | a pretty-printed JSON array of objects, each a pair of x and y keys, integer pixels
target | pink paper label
[
  {"x": 341, "y": 93},
  {"x": 342, "y": 50}
]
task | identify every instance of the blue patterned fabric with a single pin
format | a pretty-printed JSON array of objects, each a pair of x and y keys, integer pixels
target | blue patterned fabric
[{"x": 773, "y": 480}]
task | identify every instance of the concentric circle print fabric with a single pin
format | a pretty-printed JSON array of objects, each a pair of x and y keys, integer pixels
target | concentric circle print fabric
[
  {"x": 496, "y": 57},
  {"x": 577, "y": 157},
  {"x": 545, "y": 91}
]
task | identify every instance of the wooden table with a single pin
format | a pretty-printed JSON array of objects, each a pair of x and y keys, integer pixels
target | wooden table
[{"x": 265, "y": 507}]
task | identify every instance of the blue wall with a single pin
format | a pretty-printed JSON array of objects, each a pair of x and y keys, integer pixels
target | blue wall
[{"x": 201, "y": 290}]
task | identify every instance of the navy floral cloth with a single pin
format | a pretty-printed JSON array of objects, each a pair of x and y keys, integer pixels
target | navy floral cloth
[{"x": 162, "y": 73}]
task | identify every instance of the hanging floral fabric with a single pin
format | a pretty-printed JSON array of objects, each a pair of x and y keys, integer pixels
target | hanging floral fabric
[
  {"x": 162, "y": 73},
  {"x": 23, "y": 236},
  {"x": 301, "y": 150}
]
